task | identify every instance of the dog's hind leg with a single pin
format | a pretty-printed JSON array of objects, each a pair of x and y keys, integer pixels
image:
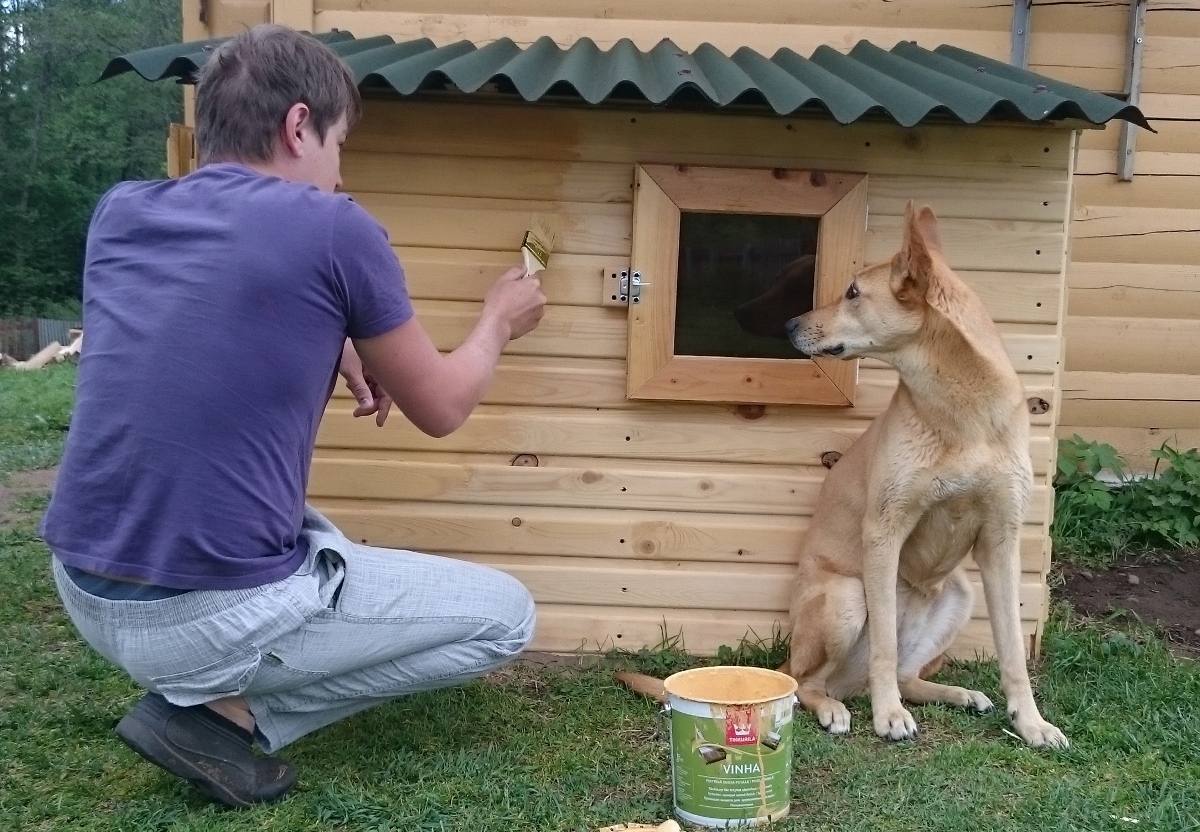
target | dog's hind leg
[
  {"x": 825, "y": 629},
  {"x": 931, "y": 669},
  {"x": 927, "y": 628}
]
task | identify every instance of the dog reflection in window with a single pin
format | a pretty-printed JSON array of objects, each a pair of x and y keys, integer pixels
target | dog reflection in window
[{"x": 788, "y": 297}]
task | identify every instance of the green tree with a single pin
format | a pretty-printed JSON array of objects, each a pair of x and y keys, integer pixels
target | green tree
[{"x": 65, "y": 139}]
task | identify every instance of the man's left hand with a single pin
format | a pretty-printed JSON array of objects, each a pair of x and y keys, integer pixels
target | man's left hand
[{"x": 371, "y": 399}]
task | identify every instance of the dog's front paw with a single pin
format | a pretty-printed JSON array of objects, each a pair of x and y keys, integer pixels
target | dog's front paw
[
  {"x": 977, "y": 702},
  {"x": 1039, "y": 733},
  {"x": 895, "y": 723},
  {"x": 834, "y": 717}
]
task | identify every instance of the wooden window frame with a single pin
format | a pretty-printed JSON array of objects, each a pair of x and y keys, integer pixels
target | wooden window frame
[
  {"x": 661, "y": 194},
  {"x": 181, "y": 151}
]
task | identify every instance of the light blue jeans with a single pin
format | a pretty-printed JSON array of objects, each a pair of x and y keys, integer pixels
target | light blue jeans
[{"x": 354, "y": 627}]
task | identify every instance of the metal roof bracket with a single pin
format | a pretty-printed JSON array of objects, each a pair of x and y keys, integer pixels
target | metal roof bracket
[
  {"x": 1020, "y": 34},
  {"x": 1127, "y": 147}
]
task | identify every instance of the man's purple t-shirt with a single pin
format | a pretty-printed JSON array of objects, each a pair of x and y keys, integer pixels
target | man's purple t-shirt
[{"x": 215, "y": 309}]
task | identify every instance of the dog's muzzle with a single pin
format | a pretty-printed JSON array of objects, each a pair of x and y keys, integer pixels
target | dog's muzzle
[
  {"x": 792, "y": 328},
  {"x": 805, "y": 344}
]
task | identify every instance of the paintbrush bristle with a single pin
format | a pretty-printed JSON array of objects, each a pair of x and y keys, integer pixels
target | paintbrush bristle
[
  {"x": 538, "y": 243},
  {"x": 544, "y": 230}
]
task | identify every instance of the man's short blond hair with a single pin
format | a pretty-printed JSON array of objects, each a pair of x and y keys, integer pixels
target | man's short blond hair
[{"x": 244, "y": 91}]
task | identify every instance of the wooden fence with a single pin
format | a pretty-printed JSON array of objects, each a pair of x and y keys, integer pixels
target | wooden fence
[{"x": 22, "y": 337}]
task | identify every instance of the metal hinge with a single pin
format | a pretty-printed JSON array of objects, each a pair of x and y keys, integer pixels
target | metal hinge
[
  {"x": 635, "y": 287},
  {"x": 623, "y": 288}
]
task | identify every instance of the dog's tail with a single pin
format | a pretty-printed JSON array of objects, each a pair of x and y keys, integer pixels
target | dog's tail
[{"x": 642, "y": 684}]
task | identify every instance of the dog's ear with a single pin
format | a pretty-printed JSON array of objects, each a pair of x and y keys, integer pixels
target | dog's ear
[
  {"x": 928, "y": 225},
  {"x": 912, "y": 269}
]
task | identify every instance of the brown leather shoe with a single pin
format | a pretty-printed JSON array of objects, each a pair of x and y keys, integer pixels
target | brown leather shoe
[{"x": 207, "y": 750}]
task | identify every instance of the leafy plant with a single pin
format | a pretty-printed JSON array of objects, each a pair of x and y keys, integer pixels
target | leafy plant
[
  {"x": 1080, "y": 459},
  {"x": 1166, "y": 506},
  {"x": 1097, "y": 516},
  {"x": 1085, "y": 528}
]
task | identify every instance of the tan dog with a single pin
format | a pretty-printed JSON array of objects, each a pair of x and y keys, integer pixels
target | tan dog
[{"x": 880, "y": 592}]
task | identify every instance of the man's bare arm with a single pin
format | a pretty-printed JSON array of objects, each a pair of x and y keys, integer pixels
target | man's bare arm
[{"x": 437, "y": 392}]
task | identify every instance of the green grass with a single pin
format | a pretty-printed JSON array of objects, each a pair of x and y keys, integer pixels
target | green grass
[
  {"x": 35, "y": 409},
  {"x": 564, "y": 749}
]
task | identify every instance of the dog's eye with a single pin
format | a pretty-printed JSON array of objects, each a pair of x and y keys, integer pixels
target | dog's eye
[{"x": 852, "y": 292}]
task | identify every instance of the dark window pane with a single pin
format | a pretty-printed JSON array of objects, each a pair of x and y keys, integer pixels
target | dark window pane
[{"x": 741, "y": 277}]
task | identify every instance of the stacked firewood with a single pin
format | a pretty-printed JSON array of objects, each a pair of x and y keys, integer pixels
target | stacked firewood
[{"x": 52, "y": 353}]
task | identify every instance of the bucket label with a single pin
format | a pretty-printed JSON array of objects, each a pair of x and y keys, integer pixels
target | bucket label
[
  {"x": 735, "y": 765},
  {"x": 739, "y": 726}
]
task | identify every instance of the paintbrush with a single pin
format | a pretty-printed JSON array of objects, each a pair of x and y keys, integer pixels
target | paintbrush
[{"x": 538, "y": 244}]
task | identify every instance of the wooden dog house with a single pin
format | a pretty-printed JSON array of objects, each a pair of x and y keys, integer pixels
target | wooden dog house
[{"x": 638, "y": 484}]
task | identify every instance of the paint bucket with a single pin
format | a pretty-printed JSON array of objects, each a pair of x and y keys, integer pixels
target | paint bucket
[{"x": 731, "y": 744}]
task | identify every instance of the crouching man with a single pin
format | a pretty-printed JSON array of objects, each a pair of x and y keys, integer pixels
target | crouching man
[{"x": 219, "y": 309}]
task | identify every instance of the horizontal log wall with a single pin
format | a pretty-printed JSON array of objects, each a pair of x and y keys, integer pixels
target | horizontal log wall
[
  {"x": 1133, "y": 326},
  {"x": 1135, "y": 252},
  {"x": 640, "y": 516}
]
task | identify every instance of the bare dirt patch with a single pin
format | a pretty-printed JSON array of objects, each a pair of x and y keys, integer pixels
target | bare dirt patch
[
  {"x": 1161, "y": 590},
  {"x": 19, "y": 484},
  {"x": 525, "y": 672}
]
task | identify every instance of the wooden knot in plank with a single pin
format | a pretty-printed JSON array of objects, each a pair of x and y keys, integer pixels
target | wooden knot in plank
[
  {"x": 525, "y": 461},
  {"x": 1037, "y": 405},
  {"x": 830, "y": 458}
]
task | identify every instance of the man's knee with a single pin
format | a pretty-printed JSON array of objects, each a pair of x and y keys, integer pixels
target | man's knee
[
  {"x": 515, "y": 614},
  {"x": 524, "y": 615}
]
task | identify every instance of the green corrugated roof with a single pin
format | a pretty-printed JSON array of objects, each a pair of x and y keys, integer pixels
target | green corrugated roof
[{"x": 907, "y": 83}]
